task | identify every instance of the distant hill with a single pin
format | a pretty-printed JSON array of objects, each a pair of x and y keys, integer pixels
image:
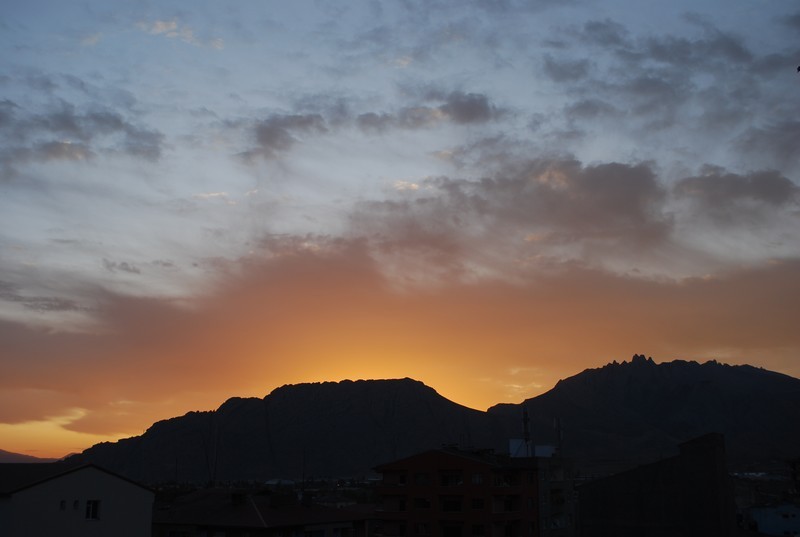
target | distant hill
[
  {"x": 639, "y": 410},
  {"x": 632, "y": 411},
  {"x": 8, "y": 456}
]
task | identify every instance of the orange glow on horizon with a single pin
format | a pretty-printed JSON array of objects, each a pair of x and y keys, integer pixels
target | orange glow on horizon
[{"x": 475, "y": 344}]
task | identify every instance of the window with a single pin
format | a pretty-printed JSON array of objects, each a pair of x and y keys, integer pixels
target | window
[
  {"x": 92, "y": 509},
  {"x": 477, "y": 503},
  {"x": 506, "y": 480},
  {"x": 76, "y": 504},
  {"x": 63, "y": 505},
  {"x": 422, "y": 503},
  {"x": 477, "y": 479},
  {"x": 422, "y": 479},
  {"x": 449, "y": 530},
  {"x": 451, "y": 478},
  {"x": 478, "y": 530},
  {"x": 451, "y": 503}
]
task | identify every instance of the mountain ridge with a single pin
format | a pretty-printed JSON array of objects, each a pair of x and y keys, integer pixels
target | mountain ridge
[{"x": 631, "y": 410}]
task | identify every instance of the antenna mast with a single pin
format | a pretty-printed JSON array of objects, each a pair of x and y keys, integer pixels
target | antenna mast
[{"x": 526, "y": 431}]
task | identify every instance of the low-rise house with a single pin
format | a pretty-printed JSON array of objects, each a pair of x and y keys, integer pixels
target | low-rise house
[
  {"x": 51, "y": 499},
  {"x": 234, "y": 513}
]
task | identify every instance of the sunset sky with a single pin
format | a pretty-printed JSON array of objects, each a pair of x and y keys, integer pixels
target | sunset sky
[{"x": 201, "y": 200}]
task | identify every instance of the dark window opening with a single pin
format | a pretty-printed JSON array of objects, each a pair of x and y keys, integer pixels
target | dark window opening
[{"x": 92, "y": 509}]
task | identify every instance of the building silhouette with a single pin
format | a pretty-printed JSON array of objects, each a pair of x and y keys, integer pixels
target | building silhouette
[
  {"x": 450, "y": 492},
  {"x": 687, "y": 495}
]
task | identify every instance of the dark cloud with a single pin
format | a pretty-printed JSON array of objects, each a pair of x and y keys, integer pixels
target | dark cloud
[
  {"x": 606, "y": 33},
  {"x": 147, "y": 144},
  {"x": 652, "y": 91},
  {"x": 371, "y": 121},
  {"x": 279, "y": 132},
  {"x": 717, "y": 189},
  {"x": 7, "y": 110},
  {"x": 565, "y": 70},
  {"x": 43, "y": 83},
  {"x": 792, "y": 21},
  {"x": 417, "y": 117},
  {"x": 590, "y": 109},
  {"x": 778, "y": 142},
  {"x": 12, "y": 293},
  {"x": 456, "y": 107},
  {"x": 714, "y": 48},
  {"x": 467, "y": 108},
  {"x": 539, "y": 204},
  {"x": 709, "y": 81},
  {"x": 67, "y": 133},
  {"x": 120, "y": 266},
  {"x": 775, "y": 64},
  {"x": 336, "y": 109}
]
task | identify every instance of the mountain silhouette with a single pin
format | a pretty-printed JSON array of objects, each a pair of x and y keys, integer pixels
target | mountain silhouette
[
  {"x": 640, "y": 410},
  {"x": 631, "y": 411},
  {"x": 321, "y": 429},
  {"x": 10, "y": 456}
]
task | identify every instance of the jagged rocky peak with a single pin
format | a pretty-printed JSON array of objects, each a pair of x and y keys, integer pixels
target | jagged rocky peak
[{"x": 639, "y": 359}]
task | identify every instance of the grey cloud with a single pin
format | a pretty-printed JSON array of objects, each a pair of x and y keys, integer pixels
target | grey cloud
[
  {"x": 123, "y": 266},
  {"x": 778, "y": 142},
  {"x": 714, "y": 51},
  {"x": 606, "y": 33},
  {"x": 278, "y": 133},
  {"x": 653, "y": 88},
  {"x": 565, "y": 70},
  {"x": 655, "y": 98},
  {"x": 590, "y": 109},
  {"x": 509, "y": 6},
  {"x": 143, "y": 143},
  {"x": 335, "y": 109},
  {"x": 62, "y": 151},
  {"x": 417, "y": 117},
  {"x": 372, "y": 121},
  {"x": 560, "y": 201},
  {"x": 608, "y": 200},
  {"x": 699, "y": 52},
  {"x": 793, "y": 21},
  {"x": 468, "y": 108},
  {"x": 774, "y": 64},
  {"x": 67, "y": 133},
  {"x": 42, "y": 83},
  {"x": 457, "y": 107},
  {"x": 7, "y": 110},
  {"x": 719, "y": 190},
  {"x": 11, "y": 293}
]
